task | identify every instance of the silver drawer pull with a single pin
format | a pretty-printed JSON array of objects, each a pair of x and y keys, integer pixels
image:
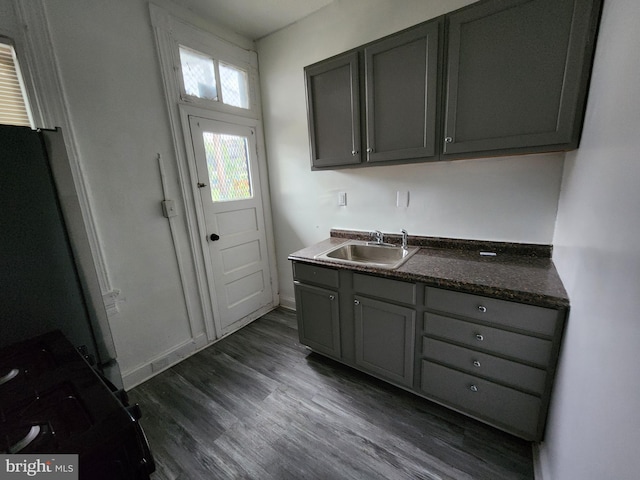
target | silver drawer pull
[
  {"x": 476, "y": 363},
  {"x": 356, "y": 302},
  {"x": 482, "y": 309},
  {"x": 332, "y": 297},
  {"x": 479, "y": 337},
  {"x": 473, "y": 388}
]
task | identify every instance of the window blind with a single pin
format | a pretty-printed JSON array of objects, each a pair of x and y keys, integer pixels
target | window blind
[{"x": 13, "y": 107}]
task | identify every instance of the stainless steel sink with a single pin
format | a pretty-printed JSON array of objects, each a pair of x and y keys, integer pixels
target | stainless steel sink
[{"x": 369, "y": 254}]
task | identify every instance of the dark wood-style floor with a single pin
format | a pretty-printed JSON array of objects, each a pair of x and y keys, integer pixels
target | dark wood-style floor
[{"x": 258, "y": 405}]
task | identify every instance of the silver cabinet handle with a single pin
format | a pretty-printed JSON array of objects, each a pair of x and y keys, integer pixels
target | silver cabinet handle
[
  {"x": 482, "y": 308},
  {"x": 448, "y": 140},
  {"x": 356, "y": 302},
  {"x": 476, "y": 363},
  {"x": 354, "y": 152},
  {"x": 370, "y": 150},
  {"x": 332, "y": 297},
  {"x": 479, "y": 337},
  {"x": 473, "y": 388}
]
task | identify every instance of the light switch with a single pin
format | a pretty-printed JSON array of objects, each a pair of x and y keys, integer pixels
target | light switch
[
  {"x": 169, "y": 208},
  {"x": 402, "y": 199},
  {"x": 342, "y": 199}
]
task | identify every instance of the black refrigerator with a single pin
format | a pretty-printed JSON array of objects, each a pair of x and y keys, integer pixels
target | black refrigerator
[{"x": 48, "y": 280}]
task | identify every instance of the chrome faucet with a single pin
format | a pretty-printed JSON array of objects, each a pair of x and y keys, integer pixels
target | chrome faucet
[
  {"x": 405, "y": 238},
  {"x": 377, "y": 234}
]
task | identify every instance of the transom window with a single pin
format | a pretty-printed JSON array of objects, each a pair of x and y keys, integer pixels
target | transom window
[{"x": 206, "y": 78}]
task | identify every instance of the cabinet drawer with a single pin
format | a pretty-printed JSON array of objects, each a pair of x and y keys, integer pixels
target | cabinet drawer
[
  {"x": 394, "y": 290},
  {"x": 500, "y": 405},
  {"x": 314, "y": 274},
  {"x": 477, "y": 363},
  {"x": 516, "y": 315},
  {"x": 493, "y": 340}
]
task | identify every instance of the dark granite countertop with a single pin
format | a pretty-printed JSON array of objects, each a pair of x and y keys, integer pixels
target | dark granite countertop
[{"x": 527, "y": 277}]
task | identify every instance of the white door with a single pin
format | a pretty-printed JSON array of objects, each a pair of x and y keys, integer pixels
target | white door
[{"x": 229, "y": 187}]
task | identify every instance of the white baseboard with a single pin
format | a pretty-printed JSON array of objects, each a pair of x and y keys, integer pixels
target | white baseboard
[
  {"x": 175, "y": 355},
  {"x": 162, "y": 362},
  {"x": 539, "y": 471},
  {"x": 288, "y": 302}
]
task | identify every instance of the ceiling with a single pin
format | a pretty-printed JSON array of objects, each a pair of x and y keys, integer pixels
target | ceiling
[{"x": 253, "y": 19}]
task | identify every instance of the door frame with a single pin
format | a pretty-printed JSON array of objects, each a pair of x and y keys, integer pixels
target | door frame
[
  {"x": 170, "y": 32},
  {"x": 198, "y": 231}
]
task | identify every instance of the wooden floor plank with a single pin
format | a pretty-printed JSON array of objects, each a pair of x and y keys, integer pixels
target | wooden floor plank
[{"x": 258, "y": 405}]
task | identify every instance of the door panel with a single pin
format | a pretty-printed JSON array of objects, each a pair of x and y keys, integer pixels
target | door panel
[
  {"x": 239, "y": 256},
  {"x": 234, "y": 222},
  {"x": 237, "y": 261}
]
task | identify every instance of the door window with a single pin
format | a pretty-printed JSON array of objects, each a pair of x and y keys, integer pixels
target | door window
[{"x": 227, "y": 166}]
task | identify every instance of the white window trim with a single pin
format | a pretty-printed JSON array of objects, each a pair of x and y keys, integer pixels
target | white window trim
[
  {"x": 171, "y": 32},
  {"x": 8, "y": 42}
]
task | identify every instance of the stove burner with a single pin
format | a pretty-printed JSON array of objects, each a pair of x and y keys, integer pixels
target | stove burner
[
  {"x": 9, "y": 376},
  {"x": 26, "y": 440},
  {"x": 52, "y": 401}
]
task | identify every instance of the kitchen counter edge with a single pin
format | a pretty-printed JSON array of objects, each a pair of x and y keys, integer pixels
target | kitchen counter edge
[{"x": 515, "y": 278}]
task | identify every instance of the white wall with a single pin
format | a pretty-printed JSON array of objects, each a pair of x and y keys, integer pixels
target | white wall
[
  {"x": 109, "y": 69},
  {"x": 594, "y": 425},
  {"x": 505, "y": 199}
]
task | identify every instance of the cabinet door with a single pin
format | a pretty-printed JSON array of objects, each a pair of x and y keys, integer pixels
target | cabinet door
[
  {"x": 333, "y": 107},
  {"x": 517, "y": 75},
  {"x": 401, "y": 95},
  {"x": 318, "y": 319},
  {"x": 385, "y": 338}
]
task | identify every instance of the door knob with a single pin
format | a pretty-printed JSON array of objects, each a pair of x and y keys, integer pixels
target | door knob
[{"x": 214, "y": 237}]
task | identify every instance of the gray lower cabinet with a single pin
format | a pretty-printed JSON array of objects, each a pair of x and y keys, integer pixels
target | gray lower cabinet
[
  {"x": 318, "y": 308},
  {"x": 385, "y": 338},
  {"x": 491, "y": 359}
]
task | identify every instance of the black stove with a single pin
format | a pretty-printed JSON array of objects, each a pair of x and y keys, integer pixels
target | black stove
[{"x": 52, "y": 401}]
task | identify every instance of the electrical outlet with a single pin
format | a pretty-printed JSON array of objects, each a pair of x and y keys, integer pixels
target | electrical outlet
[{"x": 402, "y": 199}]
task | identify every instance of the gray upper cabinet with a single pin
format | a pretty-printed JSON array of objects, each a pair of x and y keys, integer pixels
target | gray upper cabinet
[
  {"x": 498, "y": 77},
  {"x": 517, "y": 75},
  {"x": 333, "y": 106},
  {"x": 387, "y": 89},
  {"x": 401, "y": 74}
]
